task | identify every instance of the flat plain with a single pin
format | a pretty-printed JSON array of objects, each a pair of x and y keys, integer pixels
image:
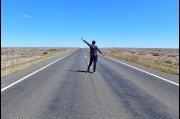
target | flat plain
[
  {"x": 165, "y": 60},
  {"x": 15, "y": 59}
]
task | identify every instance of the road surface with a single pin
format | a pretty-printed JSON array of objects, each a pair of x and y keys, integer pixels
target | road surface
[{"x": 63, "y": 90}]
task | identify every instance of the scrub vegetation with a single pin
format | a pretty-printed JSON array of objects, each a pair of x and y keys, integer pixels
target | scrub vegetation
[
  {"x": 165, "y": 60},
  {"x": 16, "y": 59}
]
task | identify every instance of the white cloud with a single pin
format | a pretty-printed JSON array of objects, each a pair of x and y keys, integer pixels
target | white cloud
[{"x": 25, "y": 16}]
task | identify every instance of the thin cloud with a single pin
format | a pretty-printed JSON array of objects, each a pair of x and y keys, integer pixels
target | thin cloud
[{"x": 25, "y": 16}]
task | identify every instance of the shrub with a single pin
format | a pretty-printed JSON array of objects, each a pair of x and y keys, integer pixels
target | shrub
[
  {"x": 168, "y": 61},
  {"x": 155, "y": 54},
  {"x": 44, "y": 53}
]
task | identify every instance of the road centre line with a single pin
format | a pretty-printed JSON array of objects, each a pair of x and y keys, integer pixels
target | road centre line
[
  {"x": 84, "y": 53},
  {"x": 144, "y": 71},
  {"x": 10, "y": 85}
]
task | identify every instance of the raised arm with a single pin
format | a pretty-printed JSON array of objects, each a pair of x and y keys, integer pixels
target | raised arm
[{"x": 86, "y": 42}]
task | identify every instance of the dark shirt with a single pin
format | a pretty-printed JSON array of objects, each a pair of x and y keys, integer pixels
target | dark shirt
[{"x": 93, "y": 49}]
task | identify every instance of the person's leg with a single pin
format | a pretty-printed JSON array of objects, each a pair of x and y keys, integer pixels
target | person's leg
[
  {"x": 95, "y": 60},
  {"x": 91, "y": 60}
]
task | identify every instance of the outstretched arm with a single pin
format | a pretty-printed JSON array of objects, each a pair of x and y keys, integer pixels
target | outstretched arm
[
  {"x": 100, "y": 51},
  {"x": 85, "y": 42}
]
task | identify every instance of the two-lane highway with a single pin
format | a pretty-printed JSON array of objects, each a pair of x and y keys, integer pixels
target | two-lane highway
[{"x": 63, "y": 90}]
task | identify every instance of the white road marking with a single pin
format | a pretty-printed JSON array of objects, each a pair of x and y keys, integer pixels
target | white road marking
[
  {"x": 3, "y": 89},
  {"x": 84, "y": 53},
  {"x": 144, "y": 71}
]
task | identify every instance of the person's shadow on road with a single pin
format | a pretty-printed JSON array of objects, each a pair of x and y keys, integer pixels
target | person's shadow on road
[{"x": 78, "y": 71}]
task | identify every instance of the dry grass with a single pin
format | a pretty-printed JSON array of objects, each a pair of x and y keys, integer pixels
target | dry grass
[
  {"x": 165, "y": 60},
  {"x": 27, "y": 58}
]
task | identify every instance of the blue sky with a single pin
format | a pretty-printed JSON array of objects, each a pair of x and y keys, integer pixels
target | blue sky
[{"x": 112, "y": 23}]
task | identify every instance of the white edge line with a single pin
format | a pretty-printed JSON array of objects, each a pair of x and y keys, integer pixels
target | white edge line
[
  {"x": 144, "y": 71},
  {"x": 3, "y": 89}
]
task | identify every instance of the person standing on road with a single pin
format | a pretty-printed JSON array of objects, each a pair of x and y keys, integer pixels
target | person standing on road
[{"x": 93, "y": 54}]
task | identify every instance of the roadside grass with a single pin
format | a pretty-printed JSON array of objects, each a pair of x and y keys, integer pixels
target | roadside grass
[
  {"x": 17, "y": 67},
  {"x": 161, "y": 67}
]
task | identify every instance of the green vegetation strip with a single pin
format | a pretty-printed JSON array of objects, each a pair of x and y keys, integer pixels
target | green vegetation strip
[
  {"x": 161, "y": 67},
  {"x": 17, "y": 67}
]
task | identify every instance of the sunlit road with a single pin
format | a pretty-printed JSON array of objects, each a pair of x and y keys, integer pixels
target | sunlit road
[{"x": 64, "y": 90}]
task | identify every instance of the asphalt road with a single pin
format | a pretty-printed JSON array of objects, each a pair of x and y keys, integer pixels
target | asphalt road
[{"x": 64, "y": 91}]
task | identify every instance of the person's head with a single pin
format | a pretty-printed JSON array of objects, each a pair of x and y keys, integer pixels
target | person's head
[{"x": 93, "y": 42}]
